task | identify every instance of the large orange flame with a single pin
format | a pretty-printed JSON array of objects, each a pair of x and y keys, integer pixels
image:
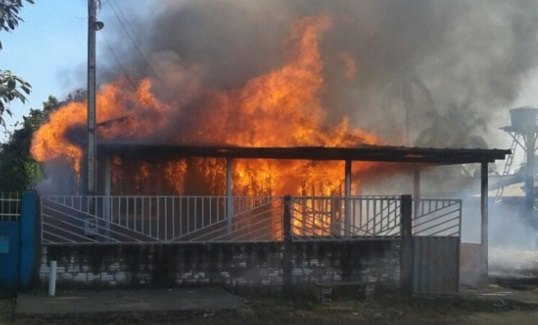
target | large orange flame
[{"x": 280, "y": 108}]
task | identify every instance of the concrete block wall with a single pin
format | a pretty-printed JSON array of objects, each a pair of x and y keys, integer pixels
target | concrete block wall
[{"x": 236, "y": 265}]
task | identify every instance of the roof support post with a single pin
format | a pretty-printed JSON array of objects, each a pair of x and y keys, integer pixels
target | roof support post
[
  {"x": 530, "y": 141},
  {"x": 347, "y": 198},
  {"x": 229, "y": 197},
  {"x": 416, "y": 190},
  {"x": 107, "y": 190},
  {"x": 484, "y": 216}
]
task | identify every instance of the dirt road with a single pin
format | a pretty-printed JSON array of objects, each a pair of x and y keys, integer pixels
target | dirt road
[{"x": 488, "y": 309}]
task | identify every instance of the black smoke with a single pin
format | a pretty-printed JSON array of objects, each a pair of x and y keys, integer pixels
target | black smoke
[{"x": 416, "y": 60}]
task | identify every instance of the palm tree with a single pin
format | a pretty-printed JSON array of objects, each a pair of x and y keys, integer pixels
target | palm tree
[{"x": 456, "y": 127}]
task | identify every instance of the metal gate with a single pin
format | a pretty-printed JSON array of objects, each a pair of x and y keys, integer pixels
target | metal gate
[
  {"x": 9, "y": 240},
  {"x": 436, "y": 246}
]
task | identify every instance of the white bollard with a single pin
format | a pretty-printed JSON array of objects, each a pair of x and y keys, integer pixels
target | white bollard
[{"x": 52, "y": 278}]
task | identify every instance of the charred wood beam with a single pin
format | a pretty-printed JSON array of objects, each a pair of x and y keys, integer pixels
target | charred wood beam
[{"x": 367, "y": 153}]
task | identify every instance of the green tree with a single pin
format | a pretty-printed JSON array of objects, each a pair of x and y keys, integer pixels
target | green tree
[
  {"x": 11, "y": 86},
  {"x": 18, "y": 170}
]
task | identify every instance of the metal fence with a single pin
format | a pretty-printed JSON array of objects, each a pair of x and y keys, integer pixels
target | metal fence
[
  {"x": 10, "y": 206},
  {"x": 165, "y": 219},
  {"x": 368, "y": 216},
  {"x": 437, "y": 217},
  {"x": 138, "y": 219}
]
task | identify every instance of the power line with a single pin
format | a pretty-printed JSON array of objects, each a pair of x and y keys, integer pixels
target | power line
[
  {"x": 118, "y": 62},
  {"x": 127, "y": 22},
  {"x": 123, "y": 23}
]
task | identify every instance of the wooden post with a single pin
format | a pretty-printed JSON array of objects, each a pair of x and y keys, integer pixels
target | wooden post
[
  {"x": 406, "y": 245},
  {"x": 108, "y": 191},
  {"x": 229, "y": 196},
  {"x": 416, "y": 190},
  {"x": 287, "y": 287},
  {"x": 347, "y": 194},
  {"x": 484, "y": 216},
  {"x": 529, "y": 171}
]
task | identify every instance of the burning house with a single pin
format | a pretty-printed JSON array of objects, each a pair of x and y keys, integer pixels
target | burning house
[{"x": 248, "y": 176}]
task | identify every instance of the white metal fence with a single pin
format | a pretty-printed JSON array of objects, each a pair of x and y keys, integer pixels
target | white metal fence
[
  {"x": 10, "y": 206},
  {"x": 368, "y": 216},
  {"x": 141, "y": 219},
  {"x": 131, "y": 219},
  {"x": 437, "y": 217}
]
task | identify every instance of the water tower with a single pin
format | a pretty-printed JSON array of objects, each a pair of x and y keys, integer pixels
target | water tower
[{"x": 523, "y": 129}]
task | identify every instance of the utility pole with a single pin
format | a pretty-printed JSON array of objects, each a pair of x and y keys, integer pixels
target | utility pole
[{"x": 91, "y": 153}]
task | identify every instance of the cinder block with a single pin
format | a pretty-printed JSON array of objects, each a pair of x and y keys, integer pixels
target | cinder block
[
  {"x": 66, "y": 276},
  {"x": 81, "y": 277},
  {"x": 73, "y": 268},
  {"x": 44, "y": 269},
  {"x": 93, "y": 277},
  {"x": 114, "y": 267},
  {"x": 186, "y": 275},
  {"x": 120, "y": 276}
]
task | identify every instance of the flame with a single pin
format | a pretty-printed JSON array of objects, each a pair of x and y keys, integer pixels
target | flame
[{"x": 279, "y": 108}]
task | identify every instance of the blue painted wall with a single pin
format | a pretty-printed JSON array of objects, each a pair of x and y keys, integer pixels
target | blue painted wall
[{"x": 18, "y": 247}]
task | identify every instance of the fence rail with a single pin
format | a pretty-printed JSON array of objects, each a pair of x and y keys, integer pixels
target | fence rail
[
  {"x": 166, "y": 219},
  {"x": 10, "y": 206}
]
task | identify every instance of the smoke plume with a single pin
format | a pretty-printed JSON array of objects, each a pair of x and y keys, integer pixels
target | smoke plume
[{"x": 395, "y": 67}]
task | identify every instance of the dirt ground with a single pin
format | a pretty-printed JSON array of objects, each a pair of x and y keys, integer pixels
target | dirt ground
[{"x": 378, "y": 310}]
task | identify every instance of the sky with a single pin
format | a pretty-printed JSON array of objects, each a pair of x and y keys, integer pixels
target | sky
[{"x": 49, "y": 51}]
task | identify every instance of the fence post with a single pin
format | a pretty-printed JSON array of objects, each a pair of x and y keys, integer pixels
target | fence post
[
  {"x": 27, "y": 238},
  {"x": 406, "y": 245},
  {"x": 288, "y": 248}
]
